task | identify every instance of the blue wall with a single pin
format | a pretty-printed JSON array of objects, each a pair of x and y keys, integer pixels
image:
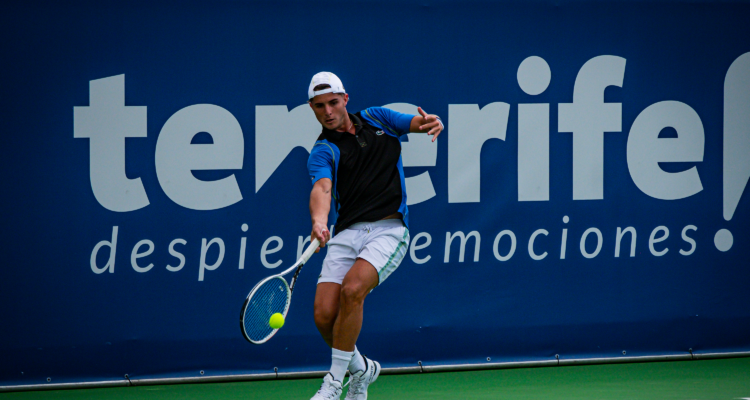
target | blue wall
[{"x": 62, "y": 319}]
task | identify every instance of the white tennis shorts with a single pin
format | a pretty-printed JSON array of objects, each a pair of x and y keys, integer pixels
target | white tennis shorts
[{"x": 382, "y": 243}]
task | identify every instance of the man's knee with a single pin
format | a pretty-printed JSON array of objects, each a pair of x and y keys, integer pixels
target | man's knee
[
  {"x": 325, "y": 315},
  {"x": 354, "y": 292}
]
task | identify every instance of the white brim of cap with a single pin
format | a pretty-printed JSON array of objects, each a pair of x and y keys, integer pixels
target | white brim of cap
[{"x": 324, "y": 91}]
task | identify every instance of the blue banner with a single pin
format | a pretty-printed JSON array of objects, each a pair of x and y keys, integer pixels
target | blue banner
[{"x": 586, "y": 199}]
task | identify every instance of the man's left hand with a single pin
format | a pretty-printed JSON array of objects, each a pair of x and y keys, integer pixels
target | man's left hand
[{"x": 430, "y": 123}]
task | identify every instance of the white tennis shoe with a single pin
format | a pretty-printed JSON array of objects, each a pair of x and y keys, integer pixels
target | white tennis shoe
[
  {"x": 330, "y": 389},
  {"x": 359, "y": 381}
]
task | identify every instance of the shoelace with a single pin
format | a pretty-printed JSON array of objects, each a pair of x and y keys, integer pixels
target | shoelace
[
  {"x": 327, "y": 390},
  {"x": 356, "y": 384}
]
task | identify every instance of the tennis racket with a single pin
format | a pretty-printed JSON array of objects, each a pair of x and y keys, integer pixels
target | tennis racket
[{"x": 271, "y": 295}]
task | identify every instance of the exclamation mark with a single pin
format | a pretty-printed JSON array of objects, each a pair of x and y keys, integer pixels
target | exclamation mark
[
  {"x": 534, "y": 76},
  {"x": 736, "y": 142}
]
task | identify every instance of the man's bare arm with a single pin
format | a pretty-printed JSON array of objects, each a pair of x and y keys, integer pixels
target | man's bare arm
[{"x": 320, "y": 205}]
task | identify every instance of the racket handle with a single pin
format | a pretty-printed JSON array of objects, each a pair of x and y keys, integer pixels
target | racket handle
[{"x": 309, "y": 251}]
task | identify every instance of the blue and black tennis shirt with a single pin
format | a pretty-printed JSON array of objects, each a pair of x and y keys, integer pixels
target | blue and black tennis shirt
[{"x": 365, "y": 168}]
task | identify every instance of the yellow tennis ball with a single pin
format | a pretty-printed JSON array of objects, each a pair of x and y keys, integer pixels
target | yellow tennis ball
[{"x": 276, "y": 321}]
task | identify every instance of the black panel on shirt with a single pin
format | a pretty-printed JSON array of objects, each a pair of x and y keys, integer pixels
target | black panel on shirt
[{"x": 368, "y": 182}]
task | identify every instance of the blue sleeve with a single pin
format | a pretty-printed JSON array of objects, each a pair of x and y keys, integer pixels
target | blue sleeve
[
  {"x": 393, "y": 121},
  {"x": 321, "y": 162}
]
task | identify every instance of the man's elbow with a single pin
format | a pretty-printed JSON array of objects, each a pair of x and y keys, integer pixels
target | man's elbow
[{"x": 322, "y": 186}]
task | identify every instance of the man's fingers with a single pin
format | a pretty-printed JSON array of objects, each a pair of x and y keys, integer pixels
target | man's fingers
[
  {"x": 324, "y": 235},
  {"x": 429, "y": 120},
  {"x": 435, "y": 131},
  {"x": 421, "y": 111},
  {"x": 429, "y": 125}
]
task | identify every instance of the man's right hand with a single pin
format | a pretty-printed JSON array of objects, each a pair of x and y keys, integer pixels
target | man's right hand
[
  {"x": 320, "y": 232},
  {"x": 320, "y": 205}
]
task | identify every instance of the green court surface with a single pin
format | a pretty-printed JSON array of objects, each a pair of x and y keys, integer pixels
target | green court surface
[{"x": 684, "y": 380}]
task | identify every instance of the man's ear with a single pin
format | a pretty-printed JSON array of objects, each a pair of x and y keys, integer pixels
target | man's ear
[{"x": 346, "y": 98}]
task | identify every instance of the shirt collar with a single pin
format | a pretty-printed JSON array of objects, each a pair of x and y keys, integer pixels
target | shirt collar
[{"x": 337, "y": 135}]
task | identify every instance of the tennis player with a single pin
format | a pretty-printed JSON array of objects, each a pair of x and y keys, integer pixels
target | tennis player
[{"x": 356, "y": 161}]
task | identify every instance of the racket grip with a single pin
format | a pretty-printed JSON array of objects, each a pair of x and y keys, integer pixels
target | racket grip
[{"x": 309, "y": 251}]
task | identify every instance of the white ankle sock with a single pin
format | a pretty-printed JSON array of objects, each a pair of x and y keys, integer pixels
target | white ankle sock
[
  {"x": 339, "y": 361},
  {"x": 357, "y": 363}
]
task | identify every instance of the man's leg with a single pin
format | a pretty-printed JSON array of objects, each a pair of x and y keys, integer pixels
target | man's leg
[
  {"x": 359, "y": 281},
  {"x": 341, "y": 318},
  {"x": 357, "y": 284},
  {"x": 327, "y": 309},
  {"x": 340, "y": 260}
]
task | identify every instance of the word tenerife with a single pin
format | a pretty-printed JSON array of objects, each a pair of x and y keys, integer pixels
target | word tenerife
[{"x": 107, "y": 122}]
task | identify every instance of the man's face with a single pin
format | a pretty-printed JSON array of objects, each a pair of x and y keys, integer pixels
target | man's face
[{"x": 330, "y": 110}]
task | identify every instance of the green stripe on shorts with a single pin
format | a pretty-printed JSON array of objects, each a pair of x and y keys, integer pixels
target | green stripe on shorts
[{"x": 391, "y": 258}]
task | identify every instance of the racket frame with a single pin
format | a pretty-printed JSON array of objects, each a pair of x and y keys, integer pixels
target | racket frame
[{"x": 297, "y": 267}]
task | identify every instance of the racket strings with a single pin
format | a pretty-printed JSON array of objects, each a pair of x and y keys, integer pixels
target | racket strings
[{"x": 271, "y": 297}]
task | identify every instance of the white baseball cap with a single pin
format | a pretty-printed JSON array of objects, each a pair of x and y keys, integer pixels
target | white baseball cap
[{"x": 325, "y": 78}]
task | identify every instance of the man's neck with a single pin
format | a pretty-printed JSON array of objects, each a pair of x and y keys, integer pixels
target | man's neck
[{"x": 347, "y": 126}]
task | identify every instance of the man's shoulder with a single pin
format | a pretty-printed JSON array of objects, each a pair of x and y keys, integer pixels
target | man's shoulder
[
  {"x": 368, "y": 116},
  {"x": 380, "y": 118},
  {"x": 370, "y": 112},
  {"x": 325, "y": 146}
]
